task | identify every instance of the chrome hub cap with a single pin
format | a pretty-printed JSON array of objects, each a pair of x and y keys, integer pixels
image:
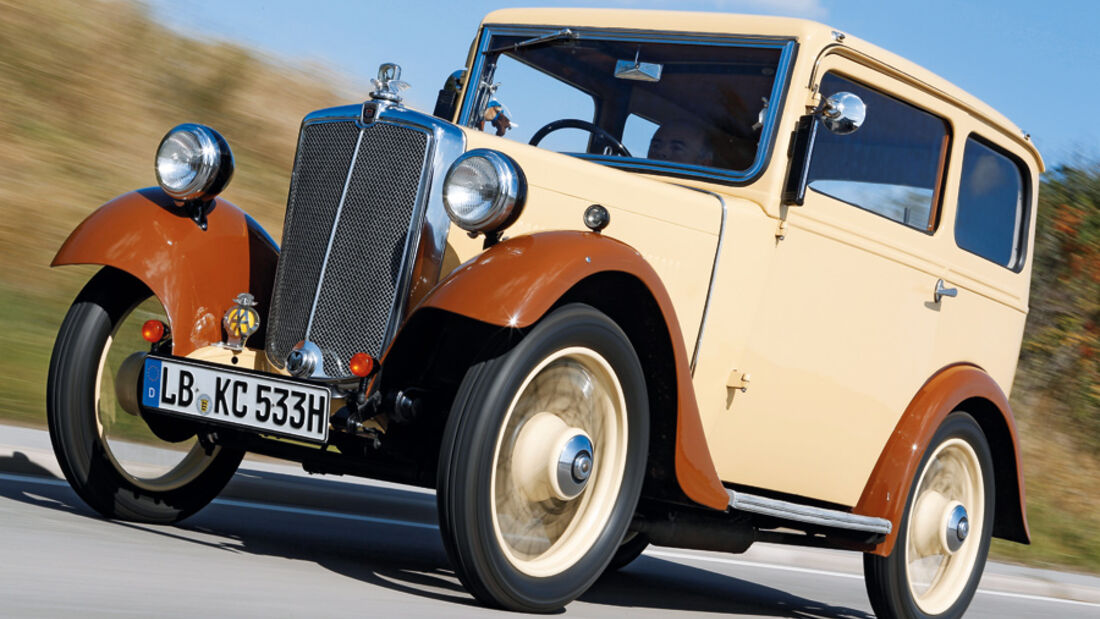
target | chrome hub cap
[
  {"x": 958, "y": 527},
  {"x": 574, "y": 465}
]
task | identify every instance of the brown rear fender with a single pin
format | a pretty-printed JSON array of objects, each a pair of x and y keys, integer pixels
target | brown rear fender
[
  {"x": 961, "y": 387},
  {"x": 195, "y": 273},
  {"x": 515, "y": 282}
]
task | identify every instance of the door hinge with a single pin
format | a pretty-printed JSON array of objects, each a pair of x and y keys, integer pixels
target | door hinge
[
  {"x": 738, "y": 379},
  {"x": 815, "y": 100}
]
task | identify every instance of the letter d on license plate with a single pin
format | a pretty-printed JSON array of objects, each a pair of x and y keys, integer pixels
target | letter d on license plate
[{"x": 270, "y": 405}]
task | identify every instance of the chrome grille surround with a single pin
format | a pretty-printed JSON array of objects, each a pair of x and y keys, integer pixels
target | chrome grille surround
[{"x": 345, "y": 274}]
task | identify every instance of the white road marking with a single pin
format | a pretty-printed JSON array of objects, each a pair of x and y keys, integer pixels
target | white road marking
[
  {"x": 1038, "y": 598},
  {"x": 804, "y": 570},
  {"x": 651, "y": 552},
  {"x": 742, "y": 563}
]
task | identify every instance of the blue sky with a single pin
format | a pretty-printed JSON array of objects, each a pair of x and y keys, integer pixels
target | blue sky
[{"x": 1037, "y": 62}]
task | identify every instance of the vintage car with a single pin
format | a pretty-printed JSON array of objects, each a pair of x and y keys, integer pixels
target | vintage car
[{"x": 641, "y": 278}]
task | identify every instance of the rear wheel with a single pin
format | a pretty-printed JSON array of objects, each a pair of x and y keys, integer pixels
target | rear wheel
[
  {"x": 112, "y": 459},
  {"x": 943, "y": 539},
  {"x": 542, "y": 462}
]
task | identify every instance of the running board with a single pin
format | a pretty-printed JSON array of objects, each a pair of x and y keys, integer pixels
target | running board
[{"x": 804, "y": 513}]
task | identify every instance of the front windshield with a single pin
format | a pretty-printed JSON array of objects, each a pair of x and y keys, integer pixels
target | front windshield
[{"x": 673, "y": 105}]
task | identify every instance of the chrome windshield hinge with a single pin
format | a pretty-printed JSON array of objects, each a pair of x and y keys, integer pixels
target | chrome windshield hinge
[{"x": 781, "y": 230}]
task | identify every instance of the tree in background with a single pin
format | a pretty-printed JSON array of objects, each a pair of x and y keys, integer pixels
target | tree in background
[{"x": 1060, "y": 361}]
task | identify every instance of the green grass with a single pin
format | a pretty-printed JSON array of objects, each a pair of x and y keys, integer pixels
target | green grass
[
  {"x": 28, "y": 324},
  {"x": 1061, "y": 479}
]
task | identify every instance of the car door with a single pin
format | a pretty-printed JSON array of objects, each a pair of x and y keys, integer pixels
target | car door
[
  {"x": 843, "y": 337},
  {"x": 988, "y": 273}
]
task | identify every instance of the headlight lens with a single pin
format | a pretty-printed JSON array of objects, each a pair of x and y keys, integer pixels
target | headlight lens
[
  {"x": 193, "y": 163},
  {"x": 484, "y": 191}
]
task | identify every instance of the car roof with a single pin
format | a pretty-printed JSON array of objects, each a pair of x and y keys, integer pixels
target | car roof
[{"x": 810, "y": 34}]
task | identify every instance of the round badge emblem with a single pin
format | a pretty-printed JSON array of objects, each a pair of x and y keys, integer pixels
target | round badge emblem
[
  {"x": 203, "y": 404},
  {"x": 242, "y": 321}
]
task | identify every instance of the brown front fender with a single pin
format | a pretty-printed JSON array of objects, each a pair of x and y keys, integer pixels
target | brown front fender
[
  {"x": 195, "y": 273},
  {"x": 957, "y": 387},
  {"x": 517, "y": 281}
]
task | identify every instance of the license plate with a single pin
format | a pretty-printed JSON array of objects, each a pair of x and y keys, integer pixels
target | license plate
[{"x": 271, "y": 405}]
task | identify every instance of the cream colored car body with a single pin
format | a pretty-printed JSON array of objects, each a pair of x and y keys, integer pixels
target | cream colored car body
[{"x": 824, "y": 313}]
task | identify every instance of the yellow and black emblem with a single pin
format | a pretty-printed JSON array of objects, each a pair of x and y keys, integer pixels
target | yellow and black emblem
[{"x": 241, "y": 321}]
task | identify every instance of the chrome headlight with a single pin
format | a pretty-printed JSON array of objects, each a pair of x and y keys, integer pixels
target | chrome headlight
[
  {"x": 484, "y": 191},
  {"x": 193, "y": 163}
]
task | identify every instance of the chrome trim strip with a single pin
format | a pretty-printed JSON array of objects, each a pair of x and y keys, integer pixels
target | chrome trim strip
[
  {"x": 343, "y": 112},
  {"x": 332, "y": 235},
  {"x": 412, "y": 236},
  {"x": 713, "y": 274},
  {"x": 430, "y": 224},
  {"x": 804, "y": 513},
  {"x": 788, "y": 48}
]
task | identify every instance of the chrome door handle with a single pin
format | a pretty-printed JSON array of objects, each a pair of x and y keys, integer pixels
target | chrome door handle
[{"x": 943, "y": 291}]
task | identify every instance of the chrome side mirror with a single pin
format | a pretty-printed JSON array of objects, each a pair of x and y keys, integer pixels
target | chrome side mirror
[
  {"x": 455, "y": 81},
  {"x": 843, "y": 113},
  {"x": 447, "y": 99}
]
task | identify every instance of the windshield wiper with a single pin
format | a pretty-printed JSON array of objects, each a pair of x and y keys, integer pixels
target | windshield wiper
[{"x": 565, "y": 34}]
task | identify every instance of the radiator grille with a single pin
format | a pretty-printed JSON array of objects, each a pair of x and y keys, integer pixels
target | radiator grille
[{"x": 355, "y": 292}]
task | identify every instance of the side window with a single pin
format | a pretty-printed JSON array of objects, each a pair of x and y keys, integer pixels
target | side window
[
  {"x": 990, "y": 218},
  {"x": 890, "y": 166}
]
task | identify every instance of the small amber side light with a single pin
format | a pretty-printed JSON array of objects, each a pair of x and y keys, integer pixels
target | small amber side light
[
  {"x": 153, "y": 331},
  {"x": 361, "y": 364}
]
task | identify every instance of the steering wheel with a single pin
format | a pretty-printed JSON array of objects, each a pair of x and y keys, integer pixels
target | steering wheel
[{"x": 575, "y": 123}]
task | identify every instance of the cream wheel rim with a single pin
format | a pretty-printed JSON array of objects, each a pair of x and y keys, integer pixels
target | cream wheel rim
[
  {"x": 940, "y": 555},
  {"x": 571, "y": 402},
  {"x": 162, "y": 468}
]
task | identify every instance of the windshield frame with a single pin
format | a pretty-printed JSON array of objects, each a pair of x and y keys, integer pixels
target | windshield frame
[{"x": 787, "y": 47}]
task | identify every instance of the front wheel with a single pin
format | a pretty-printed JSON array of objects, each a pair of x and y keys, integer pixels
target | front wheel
[
  {"x": 112, "y": 459},
  {"x": 542, "y": 462},
  {"x": 943, "y": 539},
  {"x": 632, "y": 547}
]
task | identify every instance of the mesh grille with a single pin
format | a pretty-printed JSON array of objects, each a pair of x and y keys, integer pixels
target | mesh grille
[
  {"x": 361, "y": 279},
  {"x": 324, "y": 154}
]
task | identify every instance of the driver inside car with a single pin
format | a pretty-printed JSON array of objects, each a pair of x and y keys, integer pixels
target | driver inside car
[{"x": 681, "y": 141}]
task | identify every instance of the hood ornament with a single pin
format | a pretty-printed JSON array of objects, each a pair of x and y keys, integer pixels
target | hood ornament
[{"x": 388, "y": 85}]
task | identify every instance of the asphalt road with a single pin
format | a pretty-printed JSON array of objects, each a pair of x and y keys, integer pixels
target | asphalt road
[{"x": 283, "y": 544}]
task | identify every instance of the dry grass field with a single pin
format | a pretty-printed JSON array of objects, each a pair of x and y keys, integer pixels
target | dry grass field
[{"x": 88, "y": 88}]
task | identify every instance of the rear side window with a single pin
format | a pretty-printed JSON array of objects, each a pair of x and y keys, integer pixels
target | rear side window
[
  {"x": 990, "y": 218},
  {"x": 891, "y": 166}
]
